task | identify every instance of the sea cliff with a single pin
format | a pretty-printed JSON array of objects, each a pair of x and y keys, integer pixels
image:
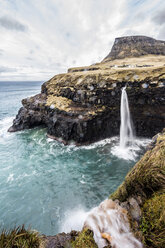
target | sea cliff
[{"x": 82, "y": 106}]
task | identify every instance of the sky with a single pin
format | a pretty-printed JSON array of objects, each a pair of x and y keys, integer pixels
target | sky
[{"x": 41, "y": 38}]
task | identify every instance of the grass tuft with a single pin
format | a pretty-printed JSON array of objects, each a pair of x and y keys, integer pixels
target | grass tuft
[{"x": 19, "y": 237}]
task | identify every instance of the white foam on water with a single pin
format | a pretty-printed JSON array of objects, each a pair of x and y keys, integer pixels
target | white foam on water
[
  {"x": 73, "y": 220},
  {"x": 130, "y": 152},
  {"x": 82, "y": 182},
  {"x": 49, "y": 140},
  {"x": 10, "y": 178},
  {"x": 126, "y": 153},
  {"x": 92, "y": 146},
  {"x": 4, "y": 126}
]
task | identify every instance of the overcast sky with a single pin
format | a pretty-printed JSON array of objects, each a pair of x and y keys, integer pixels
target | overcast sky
[{"x": 40, "y": 38}]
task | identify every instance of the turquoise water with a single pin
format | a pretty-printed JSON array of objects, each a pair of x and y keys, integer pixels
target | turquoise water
[{"x": 46, "y": 185}]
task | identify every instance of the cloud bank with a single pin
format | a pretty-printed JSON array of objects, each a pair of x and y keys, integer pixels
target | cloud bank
[
  {"x": 42, "y": 38},
  {"x": 11, "y": 24}
]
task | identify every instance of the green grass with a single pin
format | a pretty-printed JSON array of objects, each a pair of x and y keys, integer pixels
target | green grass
[
  {"x": 153, "y": 221},
  {"x": 84, "y": 240},
  {"x": 19, "y": 237}
]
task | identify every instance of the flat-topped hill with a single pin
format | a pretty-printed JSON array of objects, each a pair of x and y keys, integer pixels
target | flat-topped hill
[{"x": 135, "y": 46}]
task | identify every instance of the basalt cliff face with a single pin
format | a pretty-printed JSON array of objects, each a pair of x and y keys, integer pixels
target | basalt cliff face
[{"x": 83, "y": 105}]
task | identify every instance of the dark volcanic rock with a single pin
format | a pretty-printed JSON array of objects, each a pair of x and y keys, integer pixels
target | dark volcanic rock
[
  {"x": 133, "y": 46},
  {"x": 57, "y": 241},
  {"x": 32, "y": 113},
  {"x": 61, "y": 240}
]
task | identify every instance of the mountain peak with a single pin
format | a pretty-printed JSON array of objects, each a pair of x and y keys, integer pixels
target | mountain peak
[{"x": 135, "y": 46}]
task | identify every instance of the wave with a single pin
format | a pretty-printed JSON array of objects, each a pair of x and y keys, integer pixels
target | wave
[
  {"x": 4, "y": 126},
  {"x": 113, "y": 144},
  {"x": 73, "y": 220}
]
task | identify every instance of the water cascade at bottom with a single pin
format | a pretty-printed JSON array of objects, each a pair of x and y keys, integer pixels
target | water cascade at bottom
[{"x": 110, "y": 225}]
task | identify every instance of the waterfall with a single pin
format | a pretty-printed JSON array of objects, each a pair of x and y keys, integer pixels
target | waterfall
[
  {"x": 126, "y": 130},
  {"x": 110, "y": 225}
]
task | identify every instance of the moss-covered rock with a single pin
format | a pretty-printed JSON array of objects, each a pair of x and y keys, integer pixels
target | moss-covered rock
[
  {"x": 84, "y": 240},
  {"x": 153, "y": 221}
]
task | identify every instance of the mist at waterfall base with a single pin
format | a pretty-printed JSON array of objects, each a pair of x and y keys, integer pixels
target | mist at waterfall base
[
  {"x": 129, "y": 144},
  {"x": 46, "y": 185}
]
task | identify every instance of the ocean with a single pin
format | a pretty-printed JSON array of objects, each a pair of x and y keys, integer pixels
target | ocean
[{"x": 48, "y": 186}]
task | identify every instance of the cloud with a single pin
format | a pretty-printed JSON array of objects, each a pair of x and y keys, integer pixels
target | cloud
[
  {"x": 159, "y": 18},
  {"x": 62, "y": 34},
  {"x": 4, "y": 69},
  {"x": 162, "y": 33},
  {"x": 12, "y": 24},
  {"x": 1, "y": 52}
]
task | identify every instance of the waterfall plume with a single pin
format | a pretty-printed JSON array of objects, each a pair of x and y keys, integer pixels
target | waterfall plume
[{"x": 126, "y": 129}]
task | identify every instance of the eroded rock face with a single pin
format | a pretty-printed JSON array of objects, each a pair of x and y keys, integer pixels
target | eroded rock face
[
  {"x": 83, "y": 105},
  {"x": 60, "y": 240},
  {"x": 32, "y": 113},
  {"x": 133, "y": 46}
]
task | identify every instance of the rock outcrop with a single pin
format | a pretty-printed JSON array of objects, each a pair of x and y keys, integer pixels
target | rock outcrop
[
  {"x": 134, "y": 46},
  {"x": 83, "y": 105}
]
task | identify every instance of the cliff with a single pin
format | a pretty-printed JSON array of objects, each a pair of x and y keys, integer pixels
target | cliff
[
  {"x": 134, "y": 46},
  {"x": 83, "y": 105}
]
